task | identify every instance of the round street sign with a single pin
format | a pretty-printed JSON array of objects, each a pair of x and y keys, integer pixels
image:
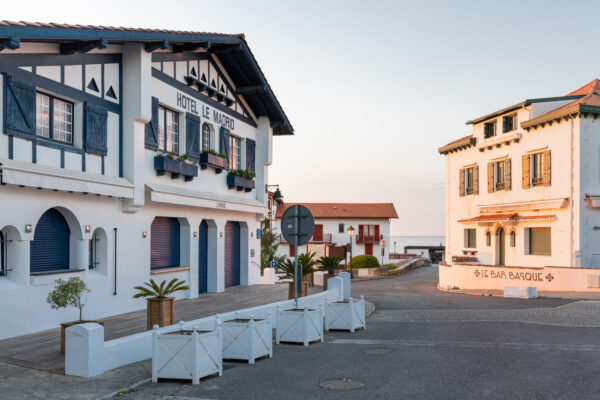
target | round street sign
[{"x": 298, "y": 223}]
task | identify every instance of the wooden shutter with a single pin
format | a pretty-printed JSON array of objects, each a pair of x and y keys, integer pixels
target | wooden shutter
[
  {"x": 250, "y": 155},
  {"x": 461, "y": 180},
  {"x": 525, "y": 164},
  {"x": 504, "y": 124},
  {"x": 507, "y": 175},
  {"x": 151, "y": 129},
  {"x": 192, "y": 136},
  {"x": 164, "y": 243},
  {"x": 540, "y": 241},
  {"x": 377, "y": 232},
  {"x": 318, "y": 233},
  {"x": 490, "y": 177},
  {"x": 360, "y": 232},
  {"x": 476, "y": 179},
  {"x": 95, "y": 129},
  {"x": 546, "y": 162},
  {"x": 49, "y": 250},
  {"x": 224, "y": 146},
  {"x": 292, "y": 252},
  {"x": 19, "y": 108}
]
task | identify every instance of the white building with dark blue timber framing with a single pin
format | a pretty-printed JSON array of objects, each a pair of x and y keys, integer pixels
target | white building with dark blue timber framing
[{"x": 115, "y": 156}]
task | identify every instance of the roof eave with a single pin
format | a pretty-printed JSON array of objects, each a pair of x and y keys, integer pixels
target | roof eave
[{"x": 459, "y": 145}]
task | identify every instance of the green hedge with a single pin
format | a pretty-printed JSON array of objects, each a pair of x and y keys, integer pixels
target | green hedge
[{"x": 365, "y": 261}]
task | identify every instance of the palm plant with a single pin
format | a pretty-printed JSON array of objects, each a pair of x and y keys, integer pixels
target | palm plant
[
  {"x": 329, "y": 264},
  {"x": 152, "y": 289},
  {"x": 305, "y": 262}
]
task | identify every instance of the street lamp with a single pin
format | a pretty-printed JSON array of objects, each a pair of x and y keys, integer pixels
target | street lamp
[
  {"x": 394, "y": 247},
  {"x": 350, "y": 236},
  {"x": 382, "y": 243}
]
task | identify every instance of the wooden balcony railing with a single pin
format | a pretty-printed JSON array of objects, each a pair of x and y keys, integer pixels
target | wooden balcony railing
[
  {"x": 368, "y": 238},
  {"x": 323, "y": 238}
]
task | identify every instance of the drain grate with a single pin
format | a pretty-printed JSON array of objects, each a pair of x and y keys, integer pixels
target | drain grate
[
  {"x": 342, "y": 384},
  {"x": 375, "y": 351}
]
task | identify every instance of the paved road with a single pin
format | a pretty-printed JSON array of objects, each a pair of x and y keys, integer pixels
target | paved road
[{"x": 439, "y": 346}]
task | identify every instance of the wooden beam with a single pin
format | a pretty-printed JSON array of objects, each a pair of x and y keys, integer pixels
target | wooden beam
[
  {"x": 153, "y": 46},
  {"x": 10, "y": 43},
  {"x": 180, "y": 48},
  {"x": 82, "y": 46},
  {"x": 226, "y": 48},
  {"x": 250, "y": 89}
]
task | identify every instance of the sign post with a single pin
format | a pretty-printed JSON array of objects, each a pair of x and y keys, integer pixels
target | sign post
[{"x": 297, "y": 226}]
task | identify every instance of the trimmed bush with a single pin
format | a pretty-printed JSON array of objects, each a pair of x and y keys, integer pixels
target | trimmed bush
[{"x": 365, "y": 261}]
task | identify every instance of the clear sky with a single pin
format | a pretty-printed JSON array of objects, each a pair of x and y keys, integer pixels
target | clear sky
[{"x": 373, "y": 88}]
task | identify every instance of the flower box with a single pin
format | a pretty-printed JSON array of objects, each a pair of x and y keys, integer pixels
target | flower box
[
  {"x": 300, "y": 325},
  {"x": 347, "y": 315},
  {"x": 210, "y": 160},
  {"x": 240, "y": 183},
  {"x": 186, "y": 354},
  {"x": 247, "y": 339},
  {"x": 164, "y": 164}
]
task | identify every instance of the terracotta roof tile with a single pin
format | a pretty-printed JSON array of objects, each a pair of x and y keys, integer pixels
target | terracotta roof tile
[
  {"x": 513, "y": 217},
  {"x": 345, "y": 210}
]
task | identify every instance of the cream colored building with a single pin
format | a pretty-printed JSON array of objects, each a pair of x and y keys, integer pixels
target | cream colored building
[{"x": 522, "y": 196}]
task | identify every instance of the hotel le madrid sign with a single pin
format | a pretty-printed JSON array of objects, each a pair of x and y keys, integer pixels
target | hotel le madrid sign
[
  {"x": 517, "y": 276},
  {"x": 191, "y": 105}
]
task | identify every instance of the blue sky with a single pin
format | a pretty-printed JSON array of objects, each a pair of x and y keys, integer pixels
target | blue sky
[{"x": 373, "y": 88}]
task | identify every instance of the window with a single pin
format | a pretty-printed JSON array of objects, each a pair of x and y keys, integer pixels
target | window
[
  {"x": 341, "y": 228},
  {"x": 470, "y": 238},
  {"x": 168, "y": 130},
  {"x": 54, "y": 118},
  {"x": 513, "y": 239},
  {"x": 501, "y": 172},
  {"x": 469, "y": 181},
  {"x": 206, "y": 145},
  {"x": 539, "y": 242},
  {"x": 537, "y": 168},
  {"x": 509, "y": 123},
  {"x": 488, "y": 239},
  {"x": 499, "y": 175},
  {"x": 93, "y": 252},
  {"x": 3, "y": 253},
  {"x": 489, "y": 129},
  {"x": 235, "y": 151}
]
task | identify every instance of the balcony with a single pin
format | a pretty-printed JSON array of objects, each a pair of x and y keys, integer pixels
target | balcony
[
  {"x": 368, "y": 238},
  {"x": 323, "y": 238}
]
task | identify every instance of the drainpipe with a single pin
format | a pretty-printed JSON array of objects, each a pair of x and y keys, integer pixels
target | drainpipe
[
  {"x": 115, "y": 292},
  {"x": 572, "y": 213}
]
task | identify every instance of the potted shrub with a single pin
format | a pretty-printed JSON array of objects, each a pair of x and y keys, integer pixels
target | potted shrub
[
  {"x": 175, "y": 165},
  {"x": 160, "y": 308},
  {"x": 72, "y": 292},
  {"x": 329, "y": 265},
  {"x": 210, "y": 158},
  {"x": 240, "y": 179},
  {"x": 286, "y": 267}
]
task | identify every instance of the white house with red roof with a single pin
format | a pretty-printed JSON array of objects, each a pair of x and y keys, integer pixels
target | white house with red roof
[
  {"x": 523, "y": 197},
  {"x": 370, "y": 222}
]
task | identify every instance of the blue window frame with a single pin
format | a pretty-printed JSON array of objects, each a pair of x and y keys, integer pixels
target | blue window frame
[{"x": 54, "y": 118}]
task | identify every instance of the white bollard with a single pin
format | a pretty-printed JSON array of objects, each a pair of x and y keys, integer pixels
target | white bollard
[
  {"x": 336, "y": 284},
  {"x": 345, "y": 277},
  {"x": 84, "y": 350}
]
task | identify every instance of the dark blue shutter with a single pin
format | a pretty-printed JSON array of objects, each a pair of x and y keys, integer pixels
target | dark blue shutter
[
  {"x": 225, "y": 144},
  {"x": 192, "y": 136},
  {"x": 164, "y": 243},
  {"x": 203, "y": 258},
  {"x": 151, "y": 134},
  {"x": 95, "y": 129},
  {"x": 19, "y": 108},
  {"x": 232, "y": 254},
  {"x": 49, "y": 250},
  {"x": 251, "y": 155}
]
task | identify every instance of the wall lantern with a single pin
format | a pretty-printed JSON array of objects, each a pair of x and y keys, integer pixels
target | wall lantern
[
  {"x": 220, "y": 234},
  {"x": 144, "y": 234},
  {"x": 195, "y": 234},
  {"x": 28, "y": 228},
  {"x": 251, "y": 234},
  {"x": 88, "y": 228}
]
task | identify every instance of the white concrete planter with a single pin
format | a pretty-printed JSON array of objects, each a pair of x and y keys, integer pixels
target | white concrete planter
[
  {"x": 300, "y": 325},
  {"x": 186, "y": 354},
  {"x": 347, "y": 315},
  {"x": 247, "y": 338}
]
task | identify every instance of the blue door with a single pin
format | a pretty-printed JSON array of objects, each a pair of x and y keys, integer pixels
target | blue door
[
  {"x": 203, "y": 258},
  {"x": 49, "y": 250},
  {"x": 232, "y": 254},
  {"x": 164, "y": 243}
]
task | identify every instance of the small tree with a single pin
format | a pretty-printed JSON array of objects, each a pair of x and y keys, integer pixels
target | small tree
[
  {"x": 269, "y": 243},
  {"x": 72, "y": 292}
]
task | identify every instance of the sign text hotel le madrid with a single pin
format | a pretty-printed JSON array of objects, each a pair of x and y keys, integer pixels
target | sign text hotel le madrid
[
  {"x": 190, "y": 104},
  {"x": 493, "y": 273}
]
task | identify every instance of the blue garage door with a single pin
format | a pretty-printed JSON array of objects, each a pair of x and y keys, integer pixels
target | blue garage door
[
  {"x": 49, "y": 250},
  {"x": 232, "y": 254},
  {"x": 164, "y": 243},
  {"x": 203, "y": 258}
]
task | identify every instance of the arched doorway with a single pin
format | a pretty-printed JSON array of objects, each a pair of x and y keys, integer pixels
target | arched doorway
[
  {"x": 232, "y": 254},
  {"x": 501, "y": 246},
  {"x": 203, "y": 257},
  {"x": 49, "y": 250}
]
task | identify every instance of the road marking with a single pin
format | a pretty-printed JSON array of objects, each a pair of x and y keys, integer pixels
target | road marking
[{"x": 471, "y": 344}]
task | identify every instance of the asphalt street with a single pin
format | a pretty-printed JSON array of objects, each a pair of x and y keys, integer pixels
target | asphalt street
[{"x": 422, "y": 343}]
